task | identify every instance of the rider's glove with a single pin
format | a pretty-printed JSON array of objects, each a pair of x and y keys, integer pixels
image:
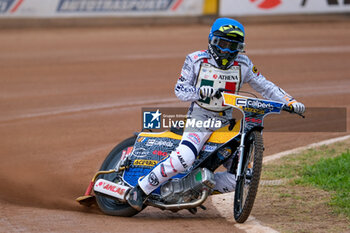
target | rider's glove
[
  {"x": 206, "y": 91},
  {"x": 297, "y": 107}
]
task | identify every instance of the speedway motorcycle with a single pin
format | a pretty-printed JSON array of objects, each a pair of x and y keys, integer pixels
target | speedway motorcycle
[{"x": 241, "y": 142}]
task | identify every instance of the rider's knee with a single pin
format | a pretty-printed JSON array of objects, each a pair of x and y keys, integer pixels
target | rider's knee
[{"x": 182, "y": 158}]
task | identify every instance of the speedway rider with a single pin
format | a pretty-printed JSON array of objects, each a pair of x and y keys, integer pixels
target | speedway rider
[{"x": 221, "y": 66}]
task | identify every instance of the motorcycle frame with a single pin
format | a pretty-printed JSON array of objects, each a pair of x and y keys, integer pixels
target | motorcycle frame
[{"x": 244, "y": 132}]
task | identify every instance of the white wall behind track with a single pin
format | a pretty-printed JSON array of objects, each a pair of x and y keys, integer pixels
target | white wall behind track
[
  {"x": 281, "y": 7},
  {"x": 163, "y": 8}
]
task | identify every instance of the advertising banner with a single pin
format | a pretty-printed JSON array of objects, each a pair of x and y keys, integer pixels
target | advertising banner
[
  {"x": 279, "y": 7},
  {"x": 99, "y": 8}
]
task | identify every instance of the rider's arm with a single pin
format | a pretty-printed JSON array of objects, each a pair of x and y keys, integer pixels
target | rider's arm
[
  {"x": 259, "y": 83},
  {"x": 185, "y": 88}
]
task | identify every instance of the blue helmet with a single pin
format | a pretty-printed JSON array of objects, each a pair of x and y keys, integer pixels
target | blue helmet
[{"x": 226, "y": 40}]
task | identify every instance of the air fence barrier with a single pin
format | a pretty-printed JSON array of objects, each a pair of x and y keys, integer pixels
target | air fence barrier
[{"x": 114, "y": 12}]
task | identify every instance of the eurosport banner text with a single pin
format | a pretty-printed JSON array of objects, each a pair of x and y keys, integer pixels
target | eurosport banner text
[{"x": 325, "y": 120}]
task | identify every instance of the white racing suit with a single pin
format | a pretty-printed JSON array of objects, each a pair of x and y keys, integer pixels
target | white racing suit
[{"x": 198, "y": 70}]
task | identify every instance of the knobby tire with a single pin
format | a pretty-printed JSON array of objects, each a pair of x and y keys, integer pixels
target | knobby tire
[
  {"x": 107, "y": 204},
  {"x": 242, "y": 208}
]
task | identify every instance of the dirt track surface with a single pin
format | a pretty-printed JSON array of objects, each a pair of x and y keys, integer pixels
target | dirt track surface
[{"x": 68, "y": 96}]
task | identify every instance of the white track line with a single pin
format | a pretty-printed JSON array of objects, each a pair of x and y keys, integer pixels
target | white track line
[
  {"x": 300, "y": 50},
  {"x": 75, "y": 55},
  {"x": 331, "y": 88},
  {"x": 224, "y": 202},
  {"x": 257, "y": 52},
  {"x": 299, "y": 149},
  {"x": 272, "y": 51},
  {"x": 75, "y": 109}
]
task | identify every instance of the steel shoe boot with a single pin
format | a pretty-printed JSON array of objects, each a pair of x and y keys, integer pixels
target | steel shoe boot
[{"x": 136, "y": 198}]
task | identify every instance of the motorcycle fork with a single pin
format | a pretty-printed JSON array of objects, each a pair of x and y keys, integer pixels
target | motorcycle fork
[{"x": 240, "y": 158}]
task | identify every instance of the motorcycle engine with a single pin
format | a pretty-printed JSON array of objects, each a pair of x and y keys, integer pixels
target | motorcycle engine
[{"x": 188, "y": 188}]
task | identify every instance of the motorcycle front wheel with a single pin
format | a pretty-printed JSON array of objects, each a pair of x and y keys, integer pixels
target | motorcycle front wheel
[
  {"x": 107, "y": 204},
  {"x": 247, "y": 184}
]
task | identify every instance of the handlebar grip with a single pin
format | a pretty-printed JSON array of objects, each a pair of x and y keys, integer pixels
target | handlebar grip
[
  {"x": 290, "y": 109},
  {"x": 223, "y": 89},
  {"x": 219, "y": 91}
]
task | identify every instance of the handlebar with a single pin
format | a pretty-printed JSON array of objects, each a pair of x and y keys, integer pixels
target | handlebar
[
  {"x": 222, "y": 90},
  {"x": 284, "y": 108},
  {"x": 288, "y": 108},
  {"x": 219, "y": 91}
]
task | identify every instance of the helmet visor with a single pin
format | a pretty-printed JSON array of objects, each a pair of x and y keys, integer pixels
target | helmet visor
[{"x": 227, "y": 45}]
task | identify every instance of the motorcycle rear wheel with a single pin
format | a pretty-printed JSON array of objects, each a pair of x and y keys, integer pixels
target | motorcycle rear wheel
[
  {"x": 107, "y": 204},
  {"x": 247, "y": 184}
]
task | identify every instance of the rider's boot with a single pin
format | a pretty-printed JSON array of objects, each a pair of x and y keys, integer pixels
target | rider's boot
[
  {"x": 225, "y": 182},
  {"x": 136, "y": 198}
]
